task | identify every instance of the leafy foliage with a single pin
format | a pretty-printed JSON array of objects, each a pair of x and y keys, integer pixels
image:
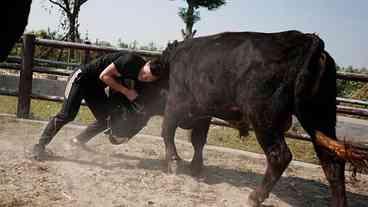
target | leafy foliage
[
  {"x": 346, "y": 88},
  {"x": 63, "y": 54},
  {"x": 69, "y": 17},
  {"x": 190, "y": 15}
]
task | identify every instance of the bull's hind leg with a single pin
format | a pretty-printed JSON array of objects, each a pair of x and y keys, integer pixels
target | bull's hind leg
[
  {"x": 278, "y": 158},
  {"x": 199, "y": 139},
  {"x": 334, "y": 170}
]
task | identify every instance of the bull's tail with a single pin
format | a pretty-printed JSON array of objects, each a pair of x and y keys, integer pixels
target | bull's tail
[{"x": 315, "y": 104}]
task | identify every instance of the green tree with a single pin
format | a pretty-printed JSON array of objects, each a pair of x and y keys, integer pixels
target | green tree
[
  {"x": 190, "y": 15},
  {"x": 103, "y": 43},
  {"x": 134, "y": 45},
  {"x": 47, "y": 34},
  {"x": 69, "y": 17},
  {"x": 122, "y": 44},
  {"x": 150, "y": 47},
  {"x": 347, "y": 88}
]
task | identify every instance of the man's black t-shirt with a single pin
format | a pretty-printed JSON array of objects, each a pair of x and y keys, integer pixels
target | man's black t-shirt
[{"x": 127, "y": 64}]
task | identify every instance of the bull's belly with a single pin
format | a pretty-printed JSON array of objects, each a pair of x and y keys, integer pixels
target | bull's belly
[
  {"x": 228, "y": 113},
  {"x": 232, "y": 115}
]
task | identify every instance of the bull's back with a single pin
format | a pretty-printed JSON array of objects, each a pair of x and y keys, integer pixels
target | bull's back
[
  {"x": 235, "y": 52},
  {"x": 223, "y": 65}
]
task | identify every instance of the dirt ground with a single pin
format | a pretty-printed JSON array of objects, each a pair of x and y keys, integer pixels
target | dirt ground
[{"x": 133, "y": 174}]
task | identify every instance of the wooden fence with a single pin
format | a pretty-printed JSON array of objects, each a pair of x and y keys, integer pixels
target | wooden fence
[{"x": 26, "y": 87}]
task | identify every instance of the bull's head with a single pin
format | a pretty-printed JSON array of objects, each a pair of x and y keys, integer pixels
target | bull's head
[
  {"x": 151, "y": 101},
  {"x": 128, "y": 119}
]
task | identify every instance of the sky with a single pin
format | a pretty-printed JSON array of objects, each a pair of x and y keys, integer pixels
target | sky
[{"x": 341, "y": 24}]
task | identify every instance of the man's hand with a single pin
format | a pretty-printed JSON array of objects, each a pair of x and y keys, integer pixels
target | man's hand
[
  {"x": 131, "y": 94},
  {"x": 109, "y": 75}
]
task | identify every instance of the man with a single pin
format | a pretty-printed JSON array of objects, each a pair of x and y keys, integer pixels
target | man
[{"x": 89, "y": 83}]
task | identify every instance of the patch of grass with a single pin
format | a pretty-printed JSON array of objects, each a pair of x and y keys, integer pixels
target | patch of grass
[
  {"x": 8, "y": 104},
  {"x": 227, "y": 137},
  {"x": 219, "y": 136},
  {"x": 302, "y": 150},
  {"x": 42, "y": 110}
]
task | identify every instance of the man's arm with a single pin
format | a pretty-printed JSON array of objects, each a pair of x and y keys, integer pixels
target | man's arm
[{"x": 109, "y": 75}]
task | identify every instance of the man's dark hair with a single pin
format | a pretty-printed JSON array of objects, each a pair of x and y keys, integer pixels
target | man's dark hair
[{"x": 156, "y": 67}]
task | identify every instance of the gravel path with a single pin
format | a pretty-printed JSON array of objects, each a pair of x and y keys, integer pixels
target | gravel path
[{"x": 133, "y": 174}]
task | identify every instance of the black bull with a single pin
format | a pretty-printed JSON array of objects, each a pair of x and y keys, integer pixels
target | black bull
[
  {"x": 14, "y": 17},
  {"x": 253, "y": 79},
  {"x": 258, "y": 79}
]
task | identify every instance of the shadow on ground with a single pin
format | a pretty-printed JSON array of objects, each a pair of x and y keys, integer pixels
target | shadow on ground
[{"x": 300, "y": 192}]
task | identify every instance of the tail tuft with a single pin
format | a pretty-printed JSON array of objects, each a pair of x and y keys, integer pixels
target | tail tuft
[{"x": 355, "y": 155}]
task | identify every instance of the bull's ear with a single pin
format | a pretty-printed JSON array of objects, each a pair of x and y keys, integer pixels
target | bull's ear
[
  {"x": 173, "y": 44},
  {"x": 164, "y": 92}
]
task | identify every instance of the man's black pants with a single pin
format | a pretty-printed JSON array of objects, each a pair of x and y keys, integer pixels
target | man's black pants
[{"x": 77, "y": 89}]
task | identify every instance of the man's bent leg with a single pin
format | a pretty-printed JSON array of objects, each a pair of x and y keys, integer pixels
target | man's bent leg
[
  {"x": 91, "y": 131},
  {"x": 97, "y": 102}
]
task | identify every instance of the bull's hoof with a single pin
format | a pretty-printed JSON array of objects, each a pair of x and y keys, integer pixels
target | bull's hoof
[
  {"x": 173, "y": 167},
  {"x": 253, "y": 203},
  {"x": 253, "y": 200},
  {"x": 196, "y": 168},
  {"x": 39, "y": 152}
]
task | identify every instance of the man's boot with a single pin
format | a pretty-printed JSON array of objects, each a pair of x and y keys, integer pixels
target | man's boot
[
  {"x": 48, "y": 133},
  {"x": 87, "y": 134}
]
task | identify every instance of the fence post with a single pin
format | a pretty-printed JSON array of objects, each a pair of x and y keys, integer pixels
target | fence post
[
  {"x": 87, "y": 54},
  {"x": 25, "y": 79}
]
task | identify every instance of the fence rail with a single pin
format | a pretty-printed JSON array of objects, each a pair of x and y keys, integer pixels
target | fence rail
[
  {"x": 72, "y": 45},
  {"x": 27, "y": 64},
  {"x": 352, "y": 101},
  {"x": 352, "y": 77},
  {"x": 39, "y": 61}
]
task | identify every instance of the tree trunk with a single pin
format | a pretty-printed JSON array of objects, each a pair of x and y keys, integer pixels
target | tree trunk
[
  {"x": 188, "y": 33},
  {"x": 73, "y": 28}
]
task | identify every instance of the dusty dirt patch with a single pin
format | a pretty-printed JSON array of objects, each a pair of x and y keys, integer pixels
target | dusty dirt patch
[{"x": 134, "y": 175}]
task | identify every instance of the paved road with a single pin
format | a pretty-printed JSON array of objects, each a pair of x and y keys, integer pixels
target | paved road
[
  {"x": 353, "y": 129},
  {"x": 349, "y": 129}
]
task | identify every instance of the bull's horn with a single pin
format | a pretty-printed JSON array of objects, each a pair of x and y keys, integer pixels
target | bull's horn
[{"x": 322, "y": 59}]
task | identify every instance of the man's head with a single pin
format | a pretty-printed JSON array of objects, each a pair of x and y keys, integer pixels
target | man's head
[{"x": 151, "y": 71}]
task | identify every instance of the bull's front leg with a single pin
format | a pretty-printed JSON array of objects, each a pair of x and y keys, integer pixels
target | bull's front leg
[
  {"x": 168, "y": 133},
  {"x": 278, "y": 158}
]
